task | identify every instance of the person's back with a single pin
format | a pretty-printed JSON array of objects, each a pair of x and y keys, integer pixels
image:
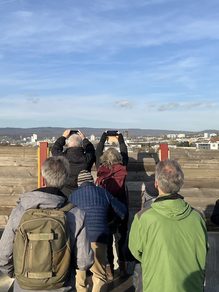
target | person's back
[
  {"x": 79, "y": 152},
  {"x": 94, "y": 201},
  {"x": 172, "y": 242},
  {"x": 111, "y": 175},
  {"x": 45, "y": 201},
  {"x": 97, "y": 203}
]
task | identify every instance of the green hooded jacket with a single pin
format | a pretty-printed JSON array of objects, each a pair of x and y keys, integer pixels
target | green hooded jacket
[{"x": 170, "y": 241}]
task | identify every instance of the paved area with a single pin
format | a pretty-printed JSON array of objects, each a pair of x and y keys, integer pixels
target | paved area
[
  {"x": 5, "y": 283},
  {"x": 118, "y": 285},
  {"x": 125, "y": 285}
]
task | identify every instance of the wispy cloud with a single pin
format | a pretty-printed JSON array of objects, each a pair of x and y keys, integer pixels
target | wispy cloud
[
  {"x": 184, "y": 106},
  {"x": 140, "y": 59},
  {"x": 124, "y": 104},
  {"x": 54, "y": 32}
]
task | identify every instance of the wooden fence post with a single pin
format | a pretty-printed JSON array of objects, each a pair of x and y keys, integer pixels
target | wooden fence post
[
  {"x": 42, "y": 156},
  {"x": 163, "y": 152}
]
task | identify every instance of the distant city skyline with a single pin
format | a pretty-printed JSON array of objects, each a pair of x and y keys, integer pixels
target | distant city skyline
[{"x": 149, "y": 64}]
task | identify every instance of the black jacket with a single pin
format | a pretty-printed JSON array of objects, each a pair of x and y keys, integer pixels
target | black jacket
[
  {"x": 80, "y": 158},
  {"x": 215, "y": 214}
]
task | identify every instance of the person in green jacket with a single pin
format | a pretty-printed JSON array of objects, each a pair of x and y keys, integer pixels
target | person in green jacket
[{"x": 170, "y": 238}]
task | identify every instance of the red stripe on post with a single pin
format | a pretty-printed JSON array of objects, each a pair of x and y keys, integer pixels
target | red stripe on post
[
  {"x": 42, "y": 156},
  {"x": 164, "y": 152}
]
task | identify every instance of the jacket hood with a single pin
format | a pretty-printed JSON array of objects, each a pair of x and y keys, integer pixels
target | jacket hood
[
  {"x": 42, "y": 198},
  {"x": 115, "y": 170},
  {"x": 115, "y": 176},
  {"x": 172, "y": 207},
  {"x": 75, "y": 154}
]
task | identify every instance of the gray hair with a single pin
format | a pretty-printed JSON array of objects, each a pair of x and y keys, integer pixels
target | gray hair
[
  {"x": 110, "y": 156},
  {"x": 169, "y": 176},
  {"x": 55, "y": 171},
  {"x": 74, "y": 141}
]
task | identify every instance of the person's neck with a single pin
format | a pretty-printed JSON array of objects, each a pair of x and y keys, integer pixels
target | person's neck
[{"x": 161, "y": 193}]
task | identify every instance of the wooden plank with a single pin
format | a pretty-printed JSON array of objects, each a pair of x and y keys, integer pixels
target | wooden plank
[
  {"x": 201, "y": 183},
  {"x": 18, "y": 161},
  {"x": 11, "y": 190},
  {"x": 180, "y": 153},
  {"x": 9, "y": 201},
  {"x": 21, "y": 150},
  {"x": 18, "y": 171},
  {"x": 3, "y": 221},
  {"x": 200, "y": 173}
]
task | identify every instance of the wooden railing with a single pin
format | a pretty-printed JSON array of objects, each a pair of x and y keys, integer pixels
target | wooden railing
[{"x": 19, "y": 173}]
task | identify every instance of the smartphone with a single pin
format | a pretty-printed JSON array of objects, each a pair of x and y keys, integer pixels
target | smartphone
[
  {"x": 73, "y": 132},
  {"x": 112, "y": 133}
]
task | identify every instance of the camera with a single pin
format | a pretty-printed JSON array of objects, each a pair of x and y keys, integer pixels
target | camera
[
  {"x": 73, "y": 132},
  {"x": 112, "y": 133}
]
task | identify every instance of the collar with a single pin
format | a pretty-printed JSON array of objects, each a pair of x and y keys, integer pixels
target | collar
[
  {"x": 86, "y": 183},
  {"x": 169, "y": 197},
  {"x": 52, "y": 190}
]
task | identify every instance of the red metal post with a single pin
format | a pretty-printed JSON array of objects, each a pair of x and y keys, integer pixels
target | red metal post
[
  {"x": 42, "y": 156},
  {"x": 163, "y": 152}
]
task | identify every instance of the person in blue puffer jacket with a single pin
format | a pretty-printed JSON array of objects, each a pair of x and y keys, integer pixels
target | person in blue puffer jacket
[{"x": 97, "y": 203}]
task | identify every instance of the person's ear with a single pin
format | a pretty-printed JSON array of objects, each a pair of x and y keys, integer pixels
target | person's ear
[{"x": 156, "y": 184}]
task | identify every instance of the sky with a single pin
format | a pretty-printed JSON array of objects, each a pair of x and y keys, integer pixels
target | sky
[{"x": 149, "y": 64}]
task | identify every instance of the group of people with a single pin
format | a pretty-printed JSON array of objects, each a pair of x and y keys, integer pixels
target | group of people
[{"x": 167, "y": 240}]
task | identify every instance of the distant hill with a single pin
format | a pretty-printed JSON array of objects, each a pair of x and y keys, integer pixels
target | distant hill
[{"x": 47, "y": 132}]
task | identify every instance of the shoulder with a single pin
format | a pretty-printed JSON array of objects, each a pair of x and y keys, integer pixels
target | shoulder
[
  {"x": 15, "y": 216},
  {"x": 198, "y": 214},
  {"x": 145, "y": 211}
]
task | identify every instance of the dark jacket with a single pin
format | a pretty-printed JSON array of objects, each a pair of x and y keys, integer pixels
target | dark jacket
[
  {"x": 97, "y": 203},
  {"x": 215, "y": 214},
  {"x": 80, "y": 158},
  {"x": 47, "y": 198}
]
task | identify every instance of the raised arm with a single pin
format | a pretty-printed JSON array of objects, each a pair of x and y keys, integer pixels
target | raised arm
[
  {"x": 59, "y": 144},
  {"x": 100, "y": 147},
  {"x": 123, "y": 149},
  {"x": 89, "y": 150}
]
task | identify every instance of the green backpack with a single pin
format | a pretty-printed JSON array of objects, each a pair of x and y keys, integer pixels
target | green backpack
[{"x": 42, "y": 252}]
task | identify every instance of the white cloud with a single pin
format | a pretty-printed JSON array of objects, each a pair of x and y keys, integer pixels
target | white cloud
[
  {"x": 124, "y": 104},
  {"x": 185, "y": 106},
  {"x": 49, "y": 31}
]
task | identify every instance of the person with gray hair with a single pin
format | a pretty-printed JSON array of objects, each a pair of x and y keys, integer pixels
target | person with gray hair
[
  {"x": 169, "y": 176},
  {"x": 80, "y": 153},
  {"x": 169, "y": 239},
  {"x": 55, "y": 171}
]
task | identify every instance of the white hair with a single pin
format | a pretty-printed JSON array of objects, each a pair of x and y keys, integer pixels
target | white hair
[{"x": 74, "y": 141}]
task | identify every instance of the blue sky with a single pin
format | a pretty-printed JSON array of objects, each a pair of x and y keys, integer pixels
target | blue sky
[{"x": 110, "y": 63}]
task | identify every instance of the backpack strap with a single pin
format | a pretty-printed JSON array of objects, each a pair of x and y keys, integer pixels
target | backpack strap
[{"x": 67, "y": 207}]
